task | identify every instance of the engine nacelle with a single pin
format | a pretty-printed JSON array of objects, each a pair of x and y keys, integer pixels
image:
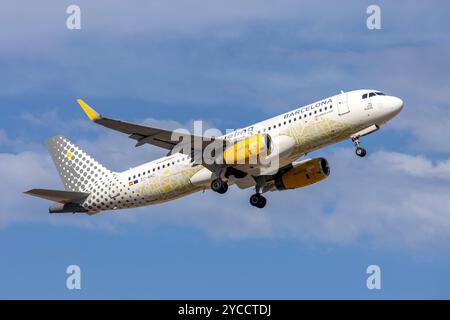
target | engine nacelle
[
  {"x": 303, "y": 174},
  {"x": 248, "y": 151}
]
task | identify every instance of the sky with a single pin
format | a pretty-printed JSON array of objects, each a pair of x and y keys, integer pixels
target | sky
[{"x": 230, "y": 64}]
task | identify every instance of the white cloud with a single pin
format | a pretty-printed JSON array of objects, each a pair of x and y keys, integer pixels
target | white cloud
[
  {"x": 278, "y": 54},
  {"x": 387, "y": 199},
  {"x": 369, "y": 201},
  {"x": 28, "y": 170},
  {"x": 416, "y": 166},
  {"x": 17, "y": 173},
  {"x": 21, "y": 171},
  {"x": 428, "y": 125},
  {"x": 3, "y": 137}
]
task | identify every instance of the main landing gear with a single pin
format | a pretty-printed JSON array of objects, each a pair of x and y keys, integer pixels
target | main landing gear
[
  {"x": 360, "y": 152},
  {"x": 258, "y": 201},
  {"x": 219, "y": 186}
]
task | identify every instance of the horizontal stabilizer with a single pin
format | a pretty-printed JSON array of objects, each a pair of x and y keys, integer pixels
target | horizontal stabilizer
[{"x": 58, "y": 195}]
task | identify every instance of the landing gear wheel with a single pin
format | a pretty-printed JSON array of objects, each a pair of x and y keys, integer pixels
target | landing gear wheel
[
  {"x": 254, "y": 199},
  {"x": 219, "y": 186},
  {"x": 224, "y": 188},
  {"x": 262, "y": 202},
  {"x": 258, "y": 201},
  {"x": 360, "y": 152},
  {"x": 216, "y": 185}
]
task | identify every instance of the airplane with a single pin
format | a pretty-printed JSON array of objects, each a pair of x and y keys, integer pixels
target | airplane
[{"x": 267, "y": 156}]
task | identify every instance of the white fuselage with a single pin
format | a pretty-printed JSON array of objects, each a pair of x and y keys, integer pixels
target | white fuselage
[{"x": 311, "y": 127}]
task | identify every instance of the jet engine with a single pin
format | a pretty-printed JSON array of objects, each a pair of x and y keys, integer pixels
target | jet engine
[
  {"x": 302, "y": 174},
  {"x": 248, "y": 151}
]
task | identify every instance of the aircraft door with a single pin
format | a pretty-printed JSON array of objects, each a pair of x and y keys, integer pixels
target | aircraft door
[{"x": 342, "y": 104}]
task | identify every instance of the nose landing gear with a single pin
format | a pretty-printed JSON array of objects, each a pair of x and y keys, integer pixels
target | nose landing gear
[{"x": 360, "y": 152}]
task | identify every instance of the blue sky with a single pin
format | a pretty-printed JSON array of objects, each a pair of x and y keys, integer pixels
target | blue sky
[{"x": 229, "y": 64}]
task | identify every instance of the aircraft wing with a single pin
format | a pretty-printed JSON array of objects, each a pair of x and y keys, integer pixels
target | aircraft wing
[{"x": 159, "y": 137}]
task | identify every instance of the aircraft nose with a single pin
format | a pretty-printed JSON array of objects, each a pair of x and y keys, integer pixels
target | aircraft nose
[{"x": 396, "y": 104}]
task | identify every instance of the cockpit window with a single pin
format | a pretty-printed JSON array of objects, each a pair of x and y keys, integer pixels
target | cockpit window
[{"x": 372, "y": 94}]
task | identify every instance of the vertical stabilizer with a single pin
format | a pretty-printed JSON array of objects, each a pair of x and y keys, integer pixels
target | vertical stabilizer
[{"x": 78, "y": 171}]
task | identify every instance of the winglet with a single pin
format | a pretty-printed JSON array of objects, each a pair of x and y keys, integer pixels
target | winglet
[{"x": 91, "y": 113}]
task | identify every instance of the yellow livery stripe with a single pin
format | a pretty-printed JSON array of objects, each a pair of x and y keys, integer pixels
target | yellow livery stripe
[{"x": 91, "y": 113}]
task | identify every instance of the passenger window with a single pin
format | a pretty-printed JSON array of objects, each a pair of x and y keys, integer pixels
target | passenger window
[
  {"x": 372, "y": 94},
  {"x": 364, "y": 96}
]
